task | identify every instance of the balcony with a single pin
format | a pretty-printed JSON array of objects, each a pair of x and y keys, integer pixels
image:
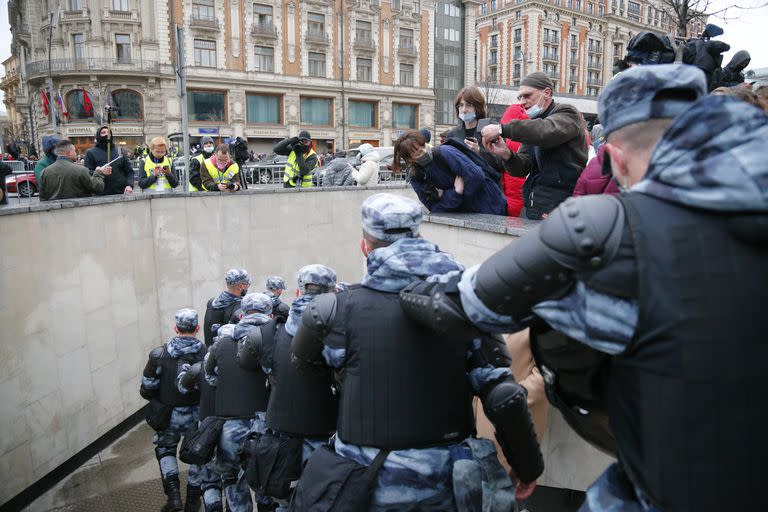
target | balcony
[
  {"x": 264, "y": 30},
  {"x": 553, "y": 75},
  {"x": 594, "y": 81},
  {"x": 595, "y": 49},
  {"x": 121, "y": 16},
  {"x": 70, "y": 16},
  {"x": 549, "y": 56},
  {"x": 407, "y": 51},
  {"x": 364, "y": 45},
  {"x": 517, "y": 39},
  {"x": 574, "y": 44},
  {"x": 320, "y": 38},
  {"x": 551, "y": 40},
  {"x": 573, "y": 78},
  {"x": 574, "y": 61},
  {"x": 204, "y": 23},
  {"x": 594, "y": 64},
  {"x": 39, "y": 69},
  {"x": 518, "y": 56}
]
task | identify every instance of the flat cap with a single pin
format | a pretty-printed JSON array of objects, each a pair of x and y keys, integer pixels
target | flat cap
[
  {"x": 237, "y": 276},
  {"x": 389, "y": 217},
  {"x": 316, "y": 274},
  {"x": 256, "y": 302},
  {"x": 186, "y": 320},
  {"x": 649, "y": 92}
]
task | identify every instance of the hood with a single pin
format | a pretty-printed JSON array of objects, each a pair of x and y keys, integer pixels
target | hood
[
  {"x": 373, "y": 156},
  {"x": 248, "y": 322},
  {"x": 712, "y": 158},
  {"x": 392, "y": 268},
  {"x": 224, "y": 300},
  {"x": 181, "y": 345},
  {"x": 102, "y": 142}
]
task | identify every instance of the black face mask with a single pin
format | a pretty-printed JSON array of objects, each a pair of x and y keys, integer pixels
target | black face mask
[
  {"x": 424, "y": 159},
  {"x": 244, "y": 292},
  {"x": 103, "y": 140},
  {"x": 301, "y": 148}
]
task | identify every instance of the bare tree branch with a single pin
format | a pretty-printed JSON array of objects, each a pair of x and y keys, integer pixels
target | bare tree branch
[{"x": 682, "y": 12}]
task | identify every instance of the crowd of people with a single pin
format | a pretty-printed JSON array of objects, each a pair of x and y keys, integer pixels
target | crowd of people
[{"x": 359, "y": 397}]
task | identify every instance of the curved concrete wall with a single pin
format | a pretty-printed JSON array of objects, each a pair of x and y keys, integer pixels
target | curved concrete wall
[{"x": 88, "y": 291}]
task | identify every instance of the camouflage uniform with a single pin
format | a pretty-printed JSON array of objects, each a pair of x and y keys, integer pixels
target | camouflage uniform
[
  {"x": 256, "y": 308},
  {"x": 182, "y": 417},
  {"x": 275, "y": 286},
  {"x": 420, "y": 478}
]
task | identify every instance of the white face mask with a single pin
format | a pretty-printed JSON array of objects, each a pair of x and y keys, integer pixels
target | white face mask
[
  {"x": 468, "y": 117},
  {"x": 536, "y": 110},
  {"x": 208, "y": 149}
]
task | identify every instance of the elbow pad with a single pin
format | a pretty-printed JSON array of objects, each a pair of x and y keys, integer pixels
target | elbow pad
[
  {"x": 147, "y": 394},
  {"x": 437, "y": 307},
  {"x": 190, "y": 377},
  {"x": 581, "y": 235},
  {"x": 252, "y": 349},
  {"x": 211, "y": 360},
  {"x": 153, "y": 363},
  {"x": 316, "y": 323},
  {"x": 505, "y": 404}
]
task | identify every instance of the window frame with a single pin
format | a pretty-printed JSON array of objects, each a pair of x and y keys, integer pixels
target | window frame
[
  {"x": 375, "y": 105},
  {"x": 324, "y": 67},
  {"x": 281, "y": 109},
  {"x": 198, "y": 52},
  {"x": 358, "y": 68},
  {"x": 413, "y": 74},
  {"x": 257, "y": 56},
  {"x": 191, "y": 92},
  {"x": 416, "y": 109},
  {"x": 118, "y": 117},
  {"x": 118, "y": 45},
  {"x": 331, "y": 102}
]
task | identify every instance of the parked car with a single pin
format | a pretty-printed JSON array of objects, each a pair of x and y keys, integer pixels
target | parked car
[{"x": 23, "y": 184}]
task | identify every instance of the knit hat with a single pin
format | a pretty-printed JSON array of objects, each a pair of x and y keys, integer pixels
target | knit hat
[{"x": 538, "y": 80}]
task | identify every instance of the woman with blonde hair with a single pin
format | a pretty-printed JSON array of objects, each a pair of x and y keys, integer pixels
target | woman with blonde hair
[{"x": 158, "y": 175}]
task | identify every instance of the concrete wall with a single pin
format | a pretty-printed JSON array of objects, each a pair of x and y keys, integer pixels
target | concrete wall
[{"x": 88, "y": 291}]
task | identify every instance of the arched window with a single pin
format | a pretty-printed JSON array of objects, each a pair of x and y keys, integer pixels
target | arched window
[
  {"x": 128, "y": 105},
  {"x": 76, "y": 106}
]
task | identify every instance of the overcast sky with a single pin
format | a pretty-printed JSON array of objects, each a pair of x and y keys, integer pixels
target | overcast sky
[{"x": 746, "y": 30}]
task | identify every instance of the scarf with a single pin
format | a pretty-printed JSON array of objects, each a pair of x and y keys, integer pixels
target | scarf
[
  {"x": 392, "y": 268},
  {"x": 248, "y": 322},
  {"x": 219, "y": 165},
  {"x": 181, "y": 345},
  {"x": 224, "y": 300}
]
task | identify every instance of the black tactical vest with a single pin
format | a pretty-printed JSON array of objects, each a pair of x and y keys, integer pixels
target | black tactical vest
[
  {"x": 169, "y": 370},
  {"x": 404, "y": 386},
  {"x": 239, "y": 393},
  {"x": 207, "y": 399},
  {"x": 301, "y": 405},
  {"x": 687, "y": 401},
  {"x": 217, "y": 316}
]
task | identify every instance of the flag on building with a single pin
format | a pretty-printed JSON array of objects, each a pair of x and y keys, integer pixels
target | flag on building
[
  {"x": 62, "y": 106},
  {"x": 46, "y": 103},
  {"x": 87, "y": 103}
]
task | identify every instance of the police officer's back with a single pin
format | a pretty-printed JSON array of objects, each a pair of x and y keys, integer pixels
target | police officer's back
[{"x": 221, "y": 309}]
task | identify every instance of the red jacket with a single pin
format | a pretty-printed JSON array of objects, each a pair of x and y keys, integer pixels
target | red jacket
[
  {"x": 592, "y": 181},
  {"x": 511, "y": 186}
]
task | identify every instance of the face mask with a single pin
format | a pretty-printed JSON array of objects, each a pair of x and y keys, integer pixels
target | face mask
[
  {"x": 244, "y": 292},
  {"x": 468, "y": 117},
  {"x": 424, "y": 159},
  {"x": 534, "y": 111},
  {"x": 208, "y": 149}
]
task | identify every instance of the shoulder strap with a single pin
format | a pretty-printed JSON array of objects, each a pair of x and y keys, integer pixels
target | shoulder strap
[{"x": 373, "y": 470}]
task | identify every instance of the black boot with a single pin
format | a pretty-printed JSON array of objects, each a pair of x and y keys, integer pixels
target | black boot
[
  {"x": 192, "y": 503},
  {"x": 172, "y": 489}
]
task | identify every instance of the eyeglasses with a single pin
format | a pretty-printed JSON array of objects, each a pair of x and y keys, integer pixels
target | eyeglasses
[{"x": 524, "y": 96}]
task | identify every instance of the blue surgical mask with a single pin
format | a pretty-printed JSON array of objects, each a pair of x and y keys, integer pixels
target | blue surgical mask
[
  {"x": 534, "y": 111},
  {"x": 468, "y": 117}
]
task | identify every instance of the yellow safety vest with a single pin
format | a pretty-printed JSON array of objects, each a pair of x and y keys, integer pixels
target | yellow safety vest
[
  {"x": 292, "y": 170},
  {"x": 219, "y": 177},
  {"x": 190, "y": 186},
  {"x": 162, "y": 181}
]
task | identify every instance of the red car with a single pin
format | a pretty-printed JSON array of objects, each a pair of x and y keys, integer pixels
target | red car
[{"x": 24, "y": 184}]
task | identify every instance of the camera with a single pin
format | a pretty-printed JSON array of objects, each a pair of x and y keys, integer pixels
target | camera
[{"x": 230, "y": 186}]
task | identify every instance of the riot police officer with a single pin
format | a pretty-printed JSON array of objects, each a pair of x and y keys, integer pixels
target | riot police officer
[
  {"x": 405, "y": 401},
  {"x": 171, "y": 413},
  {"x": 241, "y": 398},
  {"x": 221, "y": 310},
  {"x": 275, "y": 288},
  {"x": 300, "y": 407},
  {"x": 654, "y": 298}
]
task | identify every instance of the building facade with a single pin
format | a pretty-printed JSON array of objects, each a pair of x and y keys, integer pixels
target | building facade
[
  {"x": 346, "y": 70},
  {"x": 575, "y": 42}
]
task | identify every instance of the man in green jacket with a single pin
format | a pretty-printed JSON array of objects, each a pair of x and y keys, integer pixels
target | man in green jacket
[
  {"x": 66, "y": 180},
  {"x": 49, "y": 142}
]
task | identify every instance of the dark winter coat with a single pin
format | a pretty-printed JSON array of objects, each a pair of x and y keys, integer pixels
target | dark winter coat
[{"x": 122, "y": 174}]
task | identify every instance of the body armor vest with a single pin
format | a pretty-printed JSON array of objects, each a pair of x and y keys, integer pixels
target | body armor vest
[
  {"x": 404, "y": 386},
  {"x": 170, "y": 368},
  {"x": 207, "y": 399},
  {"x": 687, "y": 401},
  {"x": 217, "y": 316},
  {"x": 239, "y": 393},
  {"x": 301, "y": 405}
]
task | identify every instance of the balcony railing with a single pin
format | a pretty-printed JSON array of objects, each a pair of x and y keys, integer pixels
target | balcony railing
[
  {"x": 264, "y": 30},
  {"x": 317, "y": 38},
  {"x": 73, "y": 15},
  {"x": 550, "y": 56},
  {"x": 594, "y": 64},
  {"x": 121, "y": 15},
  {"x": 407, "y": 51},
  {"x": 574, "y": 61},
  {"x": 551, "y": 40},
  {"x": 517, "y": 39},
  {"x": 66, "y": 66},
  {"x": 205, "y": 22},
  {"x": 552, "y": 75},
  {"x": 364, "y": 44},
  {"x": 573, "y": 78},
  {"x": 595, "y": 49},
  {"x": 594, "y": 81}
]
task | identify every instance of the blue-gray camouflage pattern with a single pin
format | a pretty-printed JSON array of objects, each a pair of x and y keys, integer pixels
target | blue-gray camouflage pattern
[
  {"x": 392, "y": 268},
  {"x": 256, "y": 303},
  {"x": 388, "y": 217},
  {"x": 176, "y": 347},
  {"x": 341, "y": 286},
  {"x": 248, "y": 322},
  {"x": 316, "y": 274},
  {"x": 210, "y": 483},
  {"x": 224, "y": 300},
  {"x": 167, "y": 441},
  {"x": 186, "y": 320},
  {"x": 613, "y": 492},
  {"x": 275, "y": 283},
  {"x": 223, "y": 331},
  {"x": 631, "y": 97},
  {"x": 227, "y": 464},
  {"x": 236, "y": 276}
]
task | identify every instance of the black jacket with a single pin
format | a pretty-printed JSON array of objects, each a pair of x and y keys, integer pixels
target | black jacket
[
  {"x": 122, "y": 174},
  {"x": 285, "y": 148}
]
